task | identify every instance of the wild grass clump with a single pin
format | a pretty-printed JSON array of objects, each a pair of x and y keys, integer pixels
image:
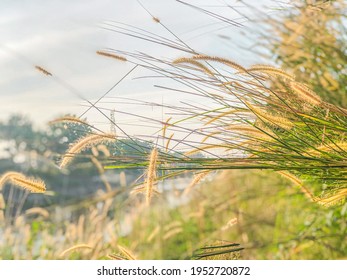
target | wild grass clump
[
  {"x": 260, "y": 117},
  {"x": 263, "y": 113}
]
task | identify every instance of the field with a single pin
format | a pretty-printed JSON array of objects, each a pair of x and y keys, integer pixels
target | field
[{"x": 238, "y": 162}]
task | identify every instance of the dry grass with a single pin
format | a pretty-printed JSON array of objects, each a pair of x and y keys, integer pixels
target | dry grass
[
  {"x": 68, "y": 119},
  {"x": 111, "y": 55},
  {"x": 18, "y": 179},
  {"x": 74, "y": 248},
  {"x": 151, "y": 175},
  {"x": 84, "y": 143},
  {"x": 42, "y": 70}
]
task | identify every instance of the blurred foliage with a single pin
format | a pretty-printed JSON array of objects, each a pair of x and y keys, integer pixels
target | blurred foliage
[
  {"x": 19, "y": 131},
  {"x": 37, "y": 152},
  {"x": 309, "y": 39},
  {"x": 266, "y": 213}
]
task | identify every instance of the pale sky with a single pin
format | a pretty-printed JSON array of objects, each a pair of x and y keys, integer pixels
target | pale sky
[{"x": 63, "y": 36}]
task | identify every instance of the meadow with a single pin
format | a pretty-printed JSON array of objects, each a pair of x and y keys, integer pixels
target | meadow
[{"x": 255, "y": 170}]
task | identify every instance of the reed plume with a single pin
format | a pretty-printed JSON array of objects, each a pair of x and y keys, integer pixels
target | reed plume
[
  {"x": 76, "y": 247},
  {"x": 220, "y": 60},
  {"x": 33, "y": 185},
  {"x": 84, "y": 143},
  {"x": 229, "y": 224},
  {"x": 270, "y": 70},
  {"x": 42, "y": 70},
  {"x": 151, "y": 175},
  {"x": 127, "y": 253},
  {"x": 192, "y": 61},
  {"x": 252, "y": 131},
  {"x": 68, "y": 119},
  {"x": 111, "y": 55},
  {"x": 104, "y": 150}
]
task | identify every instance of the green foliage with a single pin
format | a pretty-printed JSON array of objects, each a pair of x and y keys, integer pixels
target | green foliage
[{"x": 274, "y": 218}]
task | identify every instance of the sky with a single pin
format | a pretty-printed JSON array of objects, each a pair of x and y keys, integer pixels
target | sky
[{"x": 63, "y": 36}]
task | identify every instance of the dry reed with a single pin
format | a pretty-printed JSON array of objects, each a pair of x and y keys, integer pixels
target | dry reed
[
  {"x": 336, "y": 198},
  {"x": 324, "y": 148},
  {"x": 172, "y": 233},
  {"x": 37, "y": 211},
  {"x": 2, "y": 201},
  {"x": 153, "y": 234},
  {"x": 196, "y": 180},
  {"x": 271, "y": 119},
  {"x": 270, "y": 70},
  {"x": 305, "y": 93},
  {"x": 192, "y": 61},
  {"x": 299, "y": 183},
  {"x": 155, "y": 19}
]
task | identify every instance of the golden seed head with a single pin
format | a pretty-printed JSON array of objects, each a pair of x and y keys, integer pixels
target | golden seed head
[
  {"x": 151, "y": 175},
  {"x": 155, "y": 19},
  {"x": 220, "y": 60},
  {"x": 68, "y": 119},
  {"x": 111, "y": 55},
  {"x": 84, "y": 143},
  {"x": 32, "y": 184},
  {"x": 42, "y": 70}
]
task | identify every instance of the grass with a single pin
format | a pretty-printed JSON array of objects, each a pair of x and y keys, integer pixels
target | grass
[
  {"x": 267, "y": 117},
  {"x": 273, "y": 141}
]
